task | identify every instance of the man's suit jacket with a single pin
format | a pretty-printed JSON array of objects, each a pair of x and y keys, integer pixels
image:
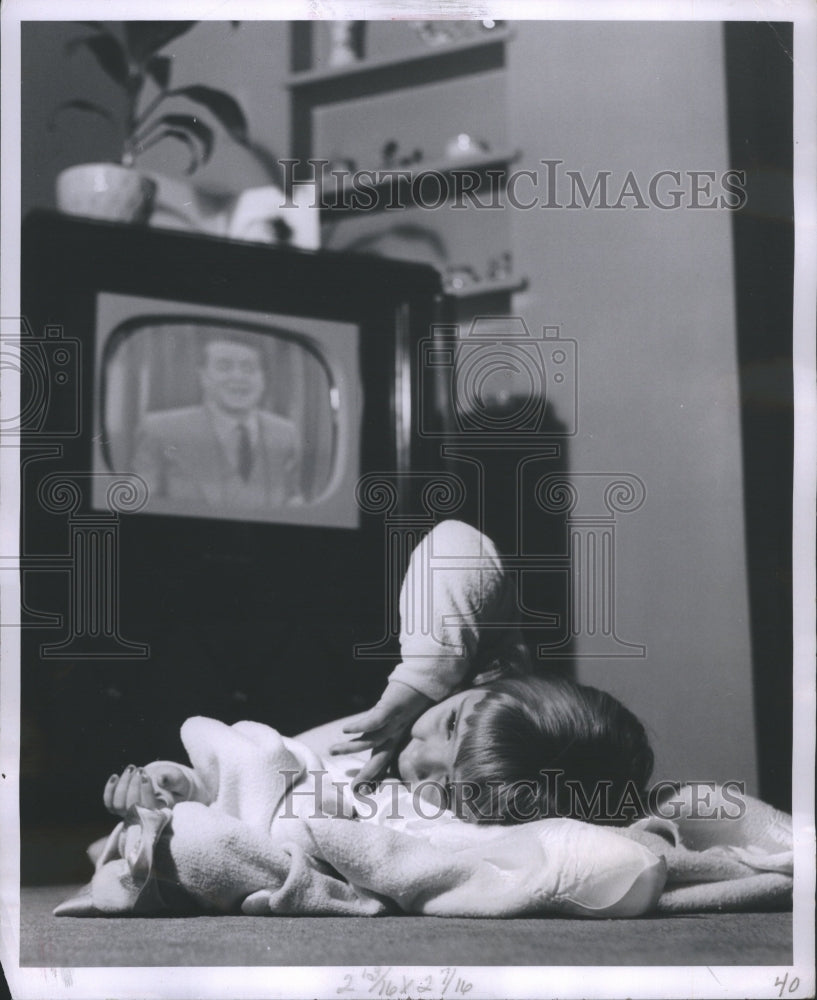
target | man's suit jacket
[{"x": 180, "y": 456}]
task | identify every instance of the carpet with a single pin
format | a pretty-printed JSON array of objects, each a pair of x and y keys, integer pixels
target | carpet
[{"x": 705, "y": 939}]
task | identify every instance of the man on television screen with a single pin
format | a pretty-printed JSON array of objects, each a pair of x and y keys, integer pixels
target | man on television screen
[{"x": 227, "y": 453}]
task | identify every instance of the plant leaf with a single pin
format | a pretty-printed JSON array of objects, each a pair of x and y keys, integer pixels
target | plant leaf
[
  {"x": 224, "y": 108},
  {"x": 158, "y": 68},
  {"x": 195, "y": 128},
  {"x": 182, "y": 137},
  {"x": 108, "y": 53},
  {"x": 144, "y": 38},
  {"x": 79, "y": 104}
]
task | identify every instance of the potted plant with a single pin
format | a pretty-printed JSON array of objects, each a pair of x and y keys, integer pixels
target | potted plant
[{"x": 132, "y": 60}]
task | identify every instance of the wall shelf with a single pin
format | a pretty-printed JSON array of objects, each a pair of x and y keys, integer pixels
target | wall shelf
[
  {"x": 479, "y": 163},
  {"x": 472, "y": 55},
  {"x": 505, "y": 286},
  {"x": 431, "y": 80}
]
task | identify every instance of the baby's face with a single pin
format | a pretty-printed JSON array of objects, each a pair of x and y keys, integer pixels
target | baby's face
[{"x": 435, "y": 739}]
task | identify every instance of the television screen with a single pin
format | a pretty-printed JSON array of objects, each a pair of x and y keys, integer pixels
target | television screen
[{"x": 226, "y": 413}]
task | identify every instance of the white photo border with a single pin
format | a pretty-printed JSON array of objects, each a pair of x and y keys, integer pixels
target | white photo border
[{"x": 510, "y": 982}]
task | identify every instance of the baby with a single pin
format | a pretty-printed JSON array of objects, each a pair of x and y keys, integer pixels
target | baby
[
  {"x": 463, "y": 721},
  {"x": 265, "y": 824}
]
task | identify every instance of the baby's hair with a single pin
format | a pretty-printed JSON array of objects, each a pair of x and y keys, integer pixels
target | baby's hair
[{"x": 538, "y": 747}]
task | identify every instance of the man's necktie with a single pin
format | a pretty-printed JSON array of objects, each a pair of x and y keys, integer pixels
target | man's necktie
[{"x": 245, "y": 457}]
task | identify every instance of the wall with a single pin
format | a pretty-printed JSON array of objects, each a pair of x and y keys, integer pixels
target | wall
[{"x": 646, "y": 293}]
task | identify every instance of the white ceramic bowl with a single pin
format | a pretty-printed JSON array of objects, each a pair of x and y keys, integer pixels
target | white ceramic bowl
[{"x": 106, "y": 191}]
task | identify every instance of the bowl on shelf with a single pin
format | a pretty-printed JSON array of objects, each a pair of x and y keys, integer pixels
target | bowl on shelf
[
  {"x": 463, "y": 145},
  {"x": 106, "y": 191}
]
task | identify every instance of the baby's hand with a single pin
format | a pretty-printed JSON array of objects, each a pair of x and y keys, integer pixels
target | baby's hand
[
  {"x": 382, "y": 728},
  {"x": 161, "y": 783}
]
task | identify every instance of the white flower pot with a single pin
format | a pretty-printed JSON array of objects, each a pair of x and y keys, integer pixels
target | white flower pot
[{"x": 106, "y": 191}]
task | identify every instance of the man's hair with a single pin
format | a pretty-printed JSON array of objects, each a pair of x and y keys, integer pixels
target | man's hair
[
  {"x": 538, "y": 747},
  {"x": 225, "y": 335}
]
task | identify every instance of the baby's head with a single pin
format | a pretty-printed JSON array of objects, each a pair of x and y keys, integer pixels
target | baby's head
[{"x": 526, "y": 748}]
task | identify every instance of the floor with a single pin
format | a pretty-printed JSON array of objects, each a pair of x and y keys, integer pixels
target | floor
[{"x": 706, "y": 939}]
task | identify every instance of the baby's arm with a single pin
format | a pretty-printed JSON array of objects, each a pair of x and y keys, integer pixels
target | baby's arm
[
  {"x": 455, "y": 581},
  {"x": 455, "y": 585},
  {"x": 161, "y": 783}
]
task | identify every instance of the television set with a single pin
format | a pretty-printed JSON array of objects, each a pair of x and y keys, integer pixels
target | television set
[
  {"x": 201, "y": 419},
  {"x": 177, "y": 383}
]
